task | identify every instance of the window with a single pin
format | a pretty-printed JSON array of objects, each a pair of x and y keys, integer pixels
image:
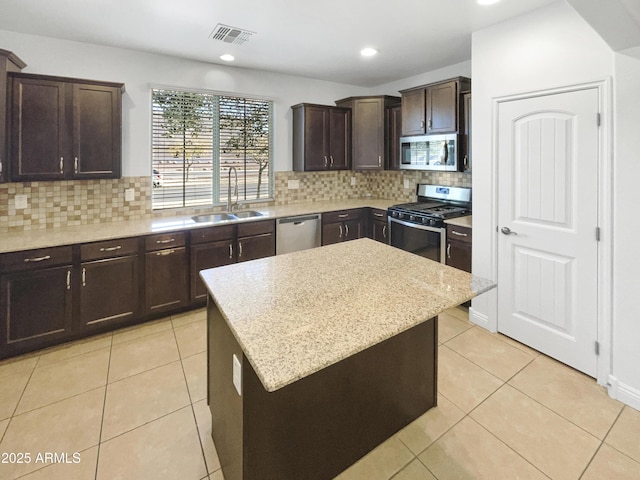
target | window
[{"x": 197, "y": 137}]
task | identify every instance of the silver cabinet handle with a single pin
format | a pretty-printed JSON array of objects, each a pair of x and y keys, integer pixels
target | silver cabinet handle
[
  {"x": 340, "y": 236},
  {"x": 430, "y": 124},
  {"x": 111, "y": 249},
  {"x": 343, "y": 215},
  {"x": 75, "y": 164},
  {"x": 384, "y": 231},
  {"x": 507, "y": 231},
  {"x": 84, "y": 277},
  {"x": 378, "y": 214},
  {"x": 379, "y": 161},
  {"x": 166, "y": 241},
  {"x": 164, "y": 253},
  {"x": 61, "y": 165},
  {"x": 453, "y": 232},
  {"x": 325, "y": 161},
  {"x": 239, "y": 249},
  {"x": 231, "y": 250},
  {"x": 448, "y": 250},
  {"x": 422, "y": 124},
  {"x": 37, "y": 259},
  {"x": 331, "y": 158},
  {"x": 68, "y": 279},
  {"x": 346, "y": 231},
  {"x": 0, "y": 167}
]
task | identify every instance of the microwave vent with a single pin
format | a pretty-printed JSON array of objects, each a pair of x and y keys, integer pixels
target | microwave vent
[{"x": 233, "y": 35}]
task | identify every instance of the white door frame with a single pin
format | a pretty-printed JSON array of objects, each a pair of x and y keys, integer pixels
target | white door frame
[{"x": 605, "y": 215}]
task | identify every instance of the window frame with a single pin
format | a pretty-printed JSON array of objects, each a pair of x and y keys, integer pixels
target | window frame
[{"x": 219, "y": 177}]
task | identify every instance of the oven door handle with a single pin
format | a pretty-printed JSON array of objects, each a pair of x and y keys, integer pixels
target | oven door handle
[{"x": 415, "y": 225}]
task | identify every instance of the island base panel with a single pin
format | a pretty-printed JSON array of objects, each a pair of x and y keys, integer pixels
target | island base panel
[{"x": 318, "y": 426}]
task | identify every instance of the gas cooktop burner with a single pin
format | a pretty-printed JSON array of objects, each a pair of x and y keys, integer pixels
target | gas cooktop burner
[{"x": 432, "y": 211}]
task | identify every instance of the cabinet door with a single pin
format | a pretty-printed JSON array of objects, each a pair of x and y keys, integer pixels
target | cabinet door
[
  {"x": 332, "y": 233},
  {"x": 352, "y": 229},
  {"x": 108, "y": 292},
  {"x": 466, "y": 162},
  {"x": 96, "y": 131},
  {"x": 39, "y": 131},
  {"x": 413, "y": 112},
  {"x": 394, "y": 125},
  {"x": 379, "y": 231},
  {"x": 442, "y": 107},
  {"x": 166, "y": 280},
  {"x": 257, "y": 246},
  {"x": 36, "y": 309},
  {"x": 339, "y": 139},
  {"x": 316, "y": 138},
  {"x": 204, "y": 256},
  {"x": 368, "y": 134},
  {"x": 459, "y": 255}
]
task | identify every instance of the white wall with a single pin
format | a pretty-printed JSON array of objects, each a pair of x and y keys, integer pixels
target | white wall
[
  {"x": 626, "y": 325},
  {"x": 138, "y": 71},
  {"x": 462, "y": 69},
  {"x": 548, "y": 48}
]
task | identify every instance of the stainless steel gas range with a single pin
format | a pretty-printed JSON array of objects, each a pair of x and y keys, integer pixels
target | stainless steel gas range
[{"x": 419, "y": 227}]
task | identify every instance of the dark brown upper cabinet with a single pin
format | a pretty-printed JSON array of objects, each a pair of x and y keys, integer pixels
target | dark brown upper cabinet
[
  {"x": 62, "y": 128},
  {"x": 8, "y": 63},
  {"x": 433, "y": 109},
  {"x": 369, "y": 132},
  {"x": 394, "y": 125},
  {"x": 321, "y": 138}
]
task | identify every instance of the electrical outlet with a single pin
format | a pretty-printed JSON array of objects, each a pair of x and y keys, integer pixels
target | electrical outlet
[
  {"x": 129, "y": 194},
  {"x": 293, "y": 184},
  {"x": 21, "y": 202},
  {"x": 406, "y": 183},
  {"x": 237, "y": 374},
  {"x": 353, "y": 181}
]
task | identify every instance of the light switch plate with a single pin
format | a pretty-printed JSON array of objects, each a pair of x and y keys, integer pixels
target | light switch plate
[
  {"x": 406, "y": 183},
  {"x": 353, "y": 181},
  {"x": 293, "y": 184},
  {"x": 129, "y": 194},
  {"x": 21, "y": 202},
  {"x": 237, "y": 375}
]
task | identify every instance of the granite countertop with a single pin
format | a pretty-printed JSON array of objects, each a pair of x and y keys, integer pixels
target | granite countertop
[
  {"x": 460, "y": 221},
  {"x": 42, "y": 238},
  {"x": 297, "y": 313}
]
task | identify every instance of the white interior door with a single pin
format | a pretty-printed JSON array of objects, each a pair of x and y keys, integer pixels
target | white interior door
[{"x": 548, "y": 149}]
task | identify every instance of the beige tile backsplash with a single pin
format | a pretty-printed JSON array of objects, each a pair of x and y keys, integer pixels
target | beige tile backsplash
[{"x": 79, "y": 202}]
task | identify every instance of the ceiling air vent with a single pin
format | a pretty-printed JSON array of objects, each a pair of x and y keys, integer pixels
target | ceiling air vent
[{"x": 228, "y": 34}]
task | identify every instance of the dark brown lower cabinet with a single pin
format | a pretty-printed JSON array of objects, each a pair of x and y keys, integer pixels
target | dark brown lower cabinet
[
  {"x": 341, "y": 226},
  {"x": 166, "y": 280},
  {"x": 203, "y": 257},
  {"x": 109, "y": 292},
  {"x": 36, "y": 309},
  {"x": 378, "y": 225},
  {"x": 459, "y": 247},
  {"x": 256, "y": 246}
]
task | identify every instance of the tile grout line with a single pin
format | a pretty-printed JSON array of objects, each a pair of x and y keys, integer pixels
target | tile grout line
[{"x": 104, "y": 407}]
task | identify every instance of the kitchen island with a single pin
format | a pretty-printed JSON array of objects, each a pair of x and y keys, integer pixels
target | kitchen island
[{"x": 316, "y": 357}]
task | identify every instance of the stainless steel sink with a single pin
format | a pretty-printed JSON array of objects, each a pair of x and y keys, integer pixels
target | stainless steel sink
[
  {"x": 247, "y": 214},
  {"x": 213, "y": 217}
]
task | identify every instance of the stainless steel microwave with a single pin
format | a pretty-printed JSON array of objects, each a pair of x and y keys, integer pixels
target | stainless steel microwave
[{"x": 430, "y": 152}]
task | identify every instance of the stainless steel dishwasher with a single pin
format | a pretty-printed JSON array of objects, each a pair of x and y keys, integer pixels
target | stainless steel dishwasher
[{"x": 297, "y": 233}]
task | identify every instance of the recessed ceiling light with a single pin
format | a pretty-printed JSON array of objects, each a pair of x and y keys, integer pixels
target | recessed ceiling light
[
  {"x": 227, "y": 58},
  {"x": 368, "y": 52},
  {"x": 487, "y": 2}
]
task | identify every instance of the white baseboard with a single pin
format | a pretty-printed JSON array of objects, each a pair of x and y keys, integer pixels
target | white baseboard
[
  {"x": 624, "y": 393},
  {"x": 479, "y": 319}
]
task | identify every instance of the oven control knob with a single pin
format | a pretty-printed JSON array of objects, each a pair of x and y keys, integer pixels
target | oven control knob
[
  {"x": 412, "y": 218},
  {"x": 432, "y": 222}
]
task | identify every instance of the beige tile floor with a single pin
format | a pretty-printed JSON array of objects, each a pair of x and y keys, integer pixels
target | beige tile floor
[{"x": 132, "y": 404}]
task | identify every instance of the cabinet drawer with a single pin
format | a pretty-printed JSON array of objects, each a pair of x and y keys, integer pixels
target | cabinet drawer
[
  {"x": 109, "y": 248},
  {"x": 341, "y": 215},
  {"x": 211, "y": 234},
  {"x": 32, "y": 259},
  {"x": 379, "y": 215},
  {"x": 461, "y": 234},
  {"x": 164, "y": 240},
  {"x": 256, "y": 228}
]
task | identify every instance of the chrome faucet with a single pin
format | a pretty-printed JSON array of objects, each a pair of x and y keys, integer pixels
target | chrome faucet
[{"x": 229, "y": 204}]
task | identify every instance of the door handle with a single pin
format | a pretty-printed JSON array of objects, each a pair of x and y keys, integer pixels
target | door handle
[{"x": 507, "y": 231}]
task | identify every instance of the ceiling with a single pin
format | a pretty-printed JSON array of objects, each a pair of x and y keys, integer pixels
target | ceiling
[{"x": 316, "y": 39}]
